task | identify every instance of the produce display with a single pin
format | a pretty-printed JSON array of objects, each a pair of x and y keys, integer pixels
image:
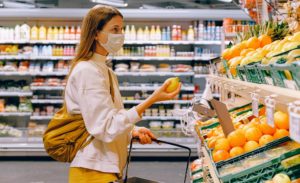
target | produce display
[
  {"x": 137, "y": 67},
  {"x": 9, "y": 131},
  {"x": 24, "y": 105},
  {"x": 49, "y": 82}
]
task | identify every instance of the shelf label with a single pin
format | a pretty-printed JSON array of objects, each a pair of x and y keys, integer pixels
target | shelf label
[
  {"x": 270, "y": 104},
  {"x": 255, "y": 97},
  {"x": 294, "y": 113},
  {"x": 291, "y": 84},
  {"x": 269, "y": 80}
]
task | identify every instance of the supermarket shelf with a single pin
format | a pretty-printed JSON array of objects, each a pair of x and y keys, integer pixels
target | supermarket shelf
[
  {"x": 200, "y": 75},
  {"x": 283, "y": 97},
  {"x": 200, "y": 95},
  {"x": 41, "y": 118},
  {"x": 23, "y": 114},
  {"x": 163, "y": 102},
  {"x": 46, "y": 101},
  {"x": 210, "y": 166},
  {"x": 154, "y": 73},
  {"x": 28, "y": 57},
  {"x": 162, "y": 58},
  {"x": 26, "y": 73},
  {"x": 39, "y": 41},
  {"x": 160, "y": 118},
  {"x": 33, "y": 146},
  {"x": 15, "y": 94},
  {"x": 48, "y": 88},
  {"x": 151, "y": 88}
]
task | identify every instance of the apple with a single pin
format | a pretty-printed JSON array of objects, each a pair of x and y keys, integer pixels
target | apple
[
  {"x": 281, "y": 178},
  {"x": 174, "y": 83}
]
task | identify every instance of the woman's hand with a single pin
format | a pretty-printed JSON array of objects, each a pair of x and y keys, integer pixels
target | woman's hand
[
  {"x": 144, "y": 134},
  {"x": 160, "y": 94}
]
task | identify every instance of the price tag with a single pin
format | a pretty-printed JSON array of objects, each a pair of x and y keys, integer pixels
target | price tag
[
  {"x": 269, "y": 80},
  {"x": 291, "y": 84},
  {"x": 270, "y": 104},
  {"x": 294, "y": 113},
  {"x": 254, "y": 97}
]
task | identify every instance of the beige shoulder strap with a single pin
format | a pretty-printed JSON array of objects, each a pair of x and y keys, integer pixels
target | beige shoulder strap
[{"x": 112, "y": 91}]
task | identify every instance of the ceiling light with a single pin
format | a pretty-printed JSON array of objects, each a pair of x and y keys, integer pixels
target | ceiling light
[
  {"x": 226, "y": 1},
  {"x": 116, "y": 3}
]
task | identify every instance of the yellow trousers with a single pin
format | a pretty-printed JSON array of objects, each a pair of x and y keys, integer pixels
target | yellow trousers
[{"x": 83, "y": 175}]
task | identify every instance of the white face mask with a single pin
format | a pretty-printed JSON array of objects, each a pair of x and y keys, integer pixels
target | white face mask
[{"x": 114, "y": 42}]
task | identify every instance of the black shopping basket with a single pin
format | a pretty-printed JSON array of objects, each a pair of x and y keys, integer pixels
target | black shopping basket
[{"x": 141, "y": 180}]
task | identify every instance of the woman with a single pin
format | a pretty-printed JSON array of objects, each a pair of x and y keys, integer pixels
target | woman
[{"x": 92, "y": 90}]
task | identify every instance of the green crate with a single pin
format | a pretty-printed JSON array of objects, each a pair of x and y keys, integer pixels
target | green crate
[
  {"x": 293, "y": 69},
  {"x": 241, "y": 73},
  {"x": 266, "y": 74},
  {"x": 262, "y": 172},
  {"x": 253, "y": 73}
]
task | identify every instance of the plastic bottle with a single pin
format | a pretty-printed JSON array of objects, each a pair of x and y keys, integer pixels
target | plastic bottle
[
  {"x": 61, "y": 33},
  {"x": 213, "y": 30},
  {"x": 196, "y": 30},
  {"x": 209, "y": 31},
  {"x": 152, "y": 33},
  {"x": 78, "y": 32},
  {"x": 66, "y": 33},
  {"x": 42, "y": 33},
  {"x": 190, "y": 36},
  {"x": 146, "y": 34},
  {"x": 158, "y": 33},
  {"x": 132, "y": 33},
  {"x": 174, "y": 32},
  {"x": 49, "y": 33},
  {"x": 183, "y": 35},
  {"x": 17, "y": 32},
  {"x": 34, "y": 33},
  {"x": 25, "y": 32},
  {"x": 140, "y": 34},
  {"x": 55, "y": 33},
  {"x": 172, "y": 52},
  {"x": 201, "y": 31},
  {"x": 179, "y": 33},
  {"x": 168, "y": 34},
  {"x": 72, "y": 33},
  {"x": 127, "y": 33}
]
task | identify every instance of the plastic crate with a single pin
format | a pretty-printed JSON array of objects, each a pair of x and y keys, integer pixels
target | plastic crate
[
  {"x": 241, "y": 73},
  {"x": 253, "y": 73},
  {"x": 293, "y": 70},
  {"x": 262, "y": 172}
]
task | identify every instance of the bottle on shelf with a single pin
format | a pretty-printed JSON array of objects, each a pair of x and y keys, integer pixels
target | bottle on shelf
[
  {"x": 132, "y": 33},
  {"x": 183, "y": 35},
  {"x": 146, "y": 34},
  {"x": 78, "y": 32},
  {"x": 50, "y": 33},
  {"x": 140, "y": 34},
  {"x": 201, "y": 31},
  {"x": 213, "y": 31},
  {"x": 179, "y": 34},
  {"x": 174, "y": 33},
  {"x": 25, "y": 32},
  {"x": 72, "y": 33},
  {"x": 127, "y": 32},
  {"x": 55, "y": 33},
  {"x": 66, "y": 33},
  {"x": 17, "y": 32},
  {"x": 168, "y": 34},
  {"x": 34, "y": 33},
  {"x": 61, "y": 33},
  {"x": 152, "y": 33},
  {"x": 196, "y": 30},
  {"x": 172, "y": 52},
  {"x": 190, "y": 36},
  {"x": 43, "y": 33},
  {"x": 163, "y": 34},
  {"x": 158, "y": 33}
]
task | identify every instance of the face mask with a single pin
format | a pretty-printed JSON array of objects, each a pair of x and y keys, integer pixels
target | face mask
[{"x": 114, "y": 42}]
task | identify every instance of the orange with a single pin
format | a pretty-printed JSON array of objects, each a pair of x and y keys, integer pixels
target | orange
[
  {"x": 262, "y": 111},
  {"x": 211, "y": 142},
  {"x": 253, "y": 133},
  {"x": 264, "y": 40},
  {"x": 244, "y": 52},
  {"x": 210, "y": 133},
  {"x": 267, "y": 129},
  {"x": 253, "y": 43},
  {"x": 254, "y": 121},
  {"x": 220, "y": 155},
  {"x": 235, "y": 51},
  {"x": 243, "y": 45},
  {"x": 250, "y": 146},
  {"x": 226, "y": 54},
  {"x": 236, "y": 151},
  {"x": 222, "y": 144},
  {"x": 265, "y": 139},
  {"x": 236, "y": 138},
  {"x": 280, "y": 133},
  {"x": 281, "y": 120}
]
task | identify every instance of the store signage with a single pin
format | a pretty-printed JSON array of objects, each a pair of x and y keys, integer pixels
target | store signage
[
  {"x": 294, "y": 113},
  {"x": 255, "y": 97},
  {"x": 270, "y": 104}
]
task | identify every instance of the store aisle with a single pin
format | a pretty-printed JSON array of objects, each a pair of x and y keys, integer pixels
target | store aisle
[{"x": 54, "y": 172}]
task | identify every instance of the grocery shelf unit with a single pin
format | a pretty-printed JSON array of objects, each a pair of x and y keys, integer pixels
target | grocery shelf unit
[
  {"x": 283, "y": 98},
  {"x": 29, "y": 145}
]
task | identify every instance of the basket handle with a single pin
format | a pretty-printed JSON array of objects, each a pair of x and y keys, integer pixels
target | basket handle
[{"x": 157, "y": 141}]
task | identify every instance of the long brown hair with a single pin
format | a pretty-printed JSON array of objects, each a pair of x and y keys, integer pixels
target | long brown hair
[{"x": 94, "y": 21}]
